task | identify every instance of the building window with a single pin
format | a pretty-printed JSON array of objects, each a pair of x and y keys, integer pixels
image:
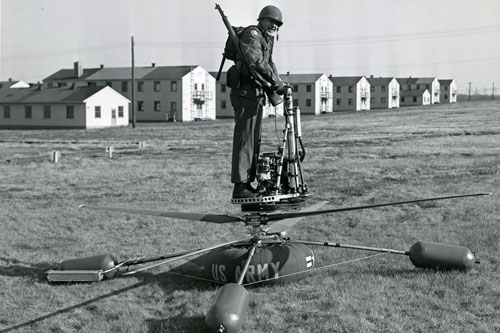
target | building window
[
  {"x": 445, "y": 96},
  {"x": 97, "y": 109},
  {"x": 372, "y": 88},
  {"x": 222, "y": 88},
  {"x": 383, "y": 88},
  {"x": 109, "y": 83},
  {"x": 372, "y": 99},
  {"x": 339, "y": 101},
  {"x": 173, "y": 86},
  {"x": 223, "y": 104},
  {"x": 414, "y": 99},
  {"x": 70, "y": 112},
  {"x": 295, "y": 102},
  {"x": 140, "y": 106},
  {"x": 382, "y": 100},
  {"x": 295, "y": 87},
  {"x": 308, "y": 88},
  {"x": 6, "y": 111},
  {"x": 27, "y": 111},
  {"x": 156, "y": 86},
  {"x": 157, "y": 106},
  {"x": 113, "y": 113},
  {"x": 46, "y": 112},
  {"x": 339, "y": 89},
  {"x": 402, "y": 99},
  {"x": 173, "y": 106},
  {"x": 418, "y": 86},
  {"x": 140, "y": 86},
  {"x": 308, "y": 102},
  {"x": 350, "y": 101},
  {"x": 120, "y": 112},
  {"x": 445, "y": 88},
  {"x": 124, "y": 86},
  {"x": 351, "y": 89}
]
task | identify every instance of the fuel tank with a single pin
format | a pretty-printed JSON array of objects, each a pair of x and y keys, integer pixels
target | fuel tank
[
  {"x": 229, "y": 309},
  {"x": 100, "y": 262},
  {"x": 442, "y": 256},
  {"x": 271, "y": 263}
]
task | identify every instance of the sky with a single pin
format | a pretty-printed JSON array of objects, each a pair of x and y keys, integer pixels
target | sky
[{"x": 447, "y": 39}]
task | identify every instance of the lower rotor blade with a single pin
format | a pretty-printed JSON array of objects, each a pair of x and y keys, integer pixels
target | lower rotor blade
[
  {"x": 285, "y": 225},
  {"x": 282, "y": 216},
  {"x": 212, "y": 218},
  {"x": 188, "y": 254}
]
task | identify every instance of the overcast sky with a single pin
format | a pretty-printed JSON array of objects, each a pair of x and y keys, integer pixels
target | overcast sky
[{"x": 457, "y": 39}]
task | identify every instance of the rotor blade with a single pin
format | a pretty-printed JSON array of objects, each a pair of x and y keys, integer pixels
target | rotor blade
[
  {"x": 188, "y": 254},
  {"x": 212, "y": 218},
  {"x": 282, "y": 216},
  {"x": 284, "y": 225}
]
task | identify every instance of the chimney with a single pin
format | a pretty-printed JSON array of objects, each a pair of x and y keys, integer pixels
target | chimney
[
  {"x": 10, "y": 79},
  {"x": 287, "y": 73},
  {"x": 102, "y": 66},
  {"x": 371, "y": 76},
  {"x": 153, "y": 64},
  {"x": 77, "y": 69}
]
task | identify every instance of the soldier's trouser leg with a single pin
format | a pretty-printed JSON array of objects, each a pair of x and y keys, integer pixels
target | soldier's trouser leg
[{"x": 246, "y": 138}]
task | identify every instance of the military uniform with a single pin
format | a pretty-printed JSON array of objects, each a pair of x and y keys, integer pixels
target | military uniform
[{"x": 248, "y": 100}]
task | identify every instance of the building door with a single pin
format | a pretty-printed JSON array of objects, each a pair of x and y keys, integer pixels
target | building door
[{"x": 113, "y": 117}]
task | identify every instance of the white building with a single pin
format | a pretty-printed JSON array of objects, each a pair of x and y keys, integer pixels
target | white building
[
  {"x": 448, "y": 90},
  {"x": 73, "y": 107},
  {"x": 384, "y": 92},
  {"x": 429, "y": 83},
  {"x": 350, "y": 93},
  {"x": 415, "y": 97},
  {"x": 162, "y": 93},
  {"x": 312, "y": 93}
]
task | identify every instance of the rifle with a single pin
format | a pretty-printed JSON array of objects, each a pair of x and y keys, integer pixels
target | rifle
[{"x": 274, "y": 98}]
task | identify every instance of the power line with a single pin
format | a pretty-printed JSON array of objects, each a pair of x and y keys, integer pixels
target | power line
[{"x": 281, "y": 44}]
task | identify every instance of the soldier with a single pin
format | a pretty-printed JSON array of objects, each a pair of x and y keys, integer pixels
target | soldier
[{"x": 256, "y": 43}]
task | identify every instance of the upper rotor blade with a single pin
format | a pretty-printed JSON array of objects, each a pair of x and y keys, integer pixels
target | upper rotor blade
[
  {"x": 284, "y": 225},
  {"x": 212, "y": 218},
  {"x": 282, "y": 216}
]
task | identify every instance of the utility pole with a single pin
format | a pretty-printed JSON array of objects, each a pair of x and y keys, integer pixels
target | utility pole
[
  {"x": 133, "y": 83},
  {"x": 470, "y": 83}
]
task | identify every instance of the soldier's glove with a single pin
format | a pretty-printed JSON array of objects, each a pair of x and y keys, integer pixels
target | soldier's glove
[{"x": 279, "y": 87}]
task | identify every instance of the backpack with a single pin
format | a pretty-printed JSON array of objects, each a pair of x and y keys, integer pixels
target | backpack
[{"x": 230, "y": 51}]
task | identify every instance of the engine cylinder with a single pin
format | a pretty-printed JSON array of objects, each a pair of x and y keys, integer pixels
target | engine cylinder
[
  {"x": 229, "y": 309},
  {"x": 100, "y": 262},
  {"x": 442, "y": 256}
]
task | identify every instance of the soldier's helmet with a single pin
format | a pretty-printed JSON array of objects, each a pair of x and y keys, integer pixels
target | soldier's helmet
[{"x": 272, "y": 12}]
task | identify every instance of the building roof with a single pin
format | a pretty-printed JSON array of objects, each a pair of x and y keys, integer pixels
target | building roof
[
  {"x": 169, "y": 72},
  {"x": 223, "y": 76},
  {"x": 119, "y": 73},
  {"x": 407, "y": 80},
  {"x": 345, "y": 80},
  {"x": 378, "y": 81},
  {"x": 301, "y": 78},
  {"x": 48, "y": 95},
  {"x": 415, "y": 92},
  {"x": 425, "y": 80},
  {"x": 13, "y": 84},
  {"x": 446, "y": 81},
  {"x": 69, "y": 74}
]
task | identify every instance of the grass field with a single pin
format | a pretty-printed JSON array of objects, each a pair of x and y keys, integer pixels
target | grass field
[{"x": 352, "y": 159}]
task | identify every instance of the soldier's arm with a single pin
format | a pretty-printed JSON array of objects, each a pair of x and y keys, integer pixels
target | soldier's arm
[{"x": 251, "y": 48}]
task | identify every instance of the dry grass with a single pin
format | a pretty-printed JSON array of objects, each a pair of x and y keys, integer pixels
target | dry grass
[{"x": 352, "y": 159}]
